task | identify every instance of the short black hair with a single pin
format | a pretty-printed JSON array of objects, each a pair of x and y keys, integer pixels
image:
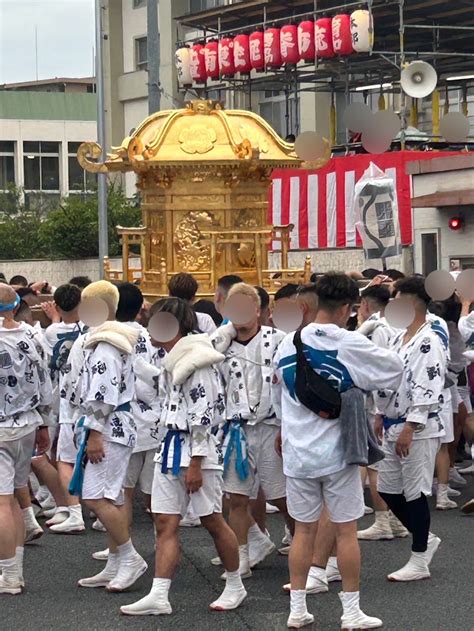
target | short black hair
[
  {"x": 378, "y": 293},
  {"x": 394, "y": 274},
  {"x": 19, "y": 280},
  {"x": 80, "y": 281},
  {"x": 264, "y": 297},
  {"x": 226, "y": 282},
  {"x": 336, "y": 289},
  {"x": 451, "y": 309},
  {"x": 183, "y": 285},
  {"x": 207, "y": 306},
  {"x": 370, "y": 273},
  {"x": 182, "y": 311},
  {"x": 67, "y": 297},
  {"x": 412, "y": 286},
  {"x": 25, "y": 291},
  {"x": 130, "y": 302},
  {"x": 2, "y": 276},
  {"x": 314, "y": 277},
  {"x": 287, "y": 291}
]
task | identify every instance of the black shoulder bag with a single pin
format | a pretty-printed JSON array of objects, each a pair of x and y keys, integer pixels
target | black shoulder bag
[{"x": 314, "y": 391}]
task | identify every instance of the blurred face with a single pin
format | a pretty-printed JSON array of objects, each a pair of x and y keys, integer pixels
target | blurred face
[{"x": 243, "y": 311}]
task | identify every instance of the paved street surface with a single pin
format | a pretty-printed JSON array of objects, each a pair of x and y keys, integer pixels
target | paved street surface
[{"x": 52, "y": 601}]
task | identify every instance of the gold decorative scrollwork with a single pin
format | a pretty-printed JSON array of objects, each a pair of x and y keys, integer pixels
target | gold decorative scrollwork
[
  {"x": 88, "y": 150},
  {"x": 192, "y": 251},
  {"x": 197, "y": 139}
]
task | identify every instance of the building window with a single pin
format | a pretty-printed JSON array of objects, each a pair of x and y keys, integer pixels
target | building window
[
  {"x": 138, "y": 4},
  {"x": 141, "y": 53},
  {"x": 429, "y": 252},
  {"x": 78, "y": 179},
  {"x": 281, "y": 112},
  {"x": 41, "y": 166},
  {"x": 7, "y": 164},
  {"x": 203, "y": 5}
]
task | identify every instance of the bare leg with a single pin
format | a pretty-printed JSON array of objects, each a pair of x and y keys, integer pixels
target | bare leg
[
  {"x": 114, "y": 519},
  {"x": 281, "y": 505},
  {"x": 224, "y": 540},
  {"x": 324, "y": 541},
  {"x": 257, "y": 509},
  {"x": 348, "y": 555},
  {"x": 442, "y": 464},
  {"x": 8, "y": 531},
  {"x": 168, "y": 549},
  {"x": 379, "y": 504},
  {"x": 47, "y": 475},
  {"x": 65, "y": 470},
  {"x": 240, "y": 519},
  {"x": 23, "y": 497},
  {"x": 299, "y": 559},
  {"x": 19, "y": 523},
  {"x": 128, "y": 506}
]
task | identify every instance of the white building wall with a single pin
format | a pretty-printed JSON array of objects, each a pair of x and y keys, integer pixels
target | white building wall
[{"x": 63, "y": 132}]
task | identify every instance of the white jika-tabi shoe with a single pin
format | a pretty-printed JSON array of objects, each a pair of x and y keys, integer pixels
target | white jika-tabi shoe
[
  {"x": 229, "y": 599},
  {"x": 101, "y": 555},
  {"x": 332, "y": 571},
  {"x": 102, "y": 579},
  {"x": 455, "y": 478},
  {"x": 99, "y": 526},
  {"x": 416, "y": 569},
  {"x": 444, "y": 503},
  {"x": 298, "y": 622},
  {"x": 467, "y": 470},
  {"x": 128, "y": 574},
  {"x": 380, "y": 529},
  {"x": 316, "y": 583},
  {"x": 153, "y": 604},
  {"x": 10, "y": 586},
  {"x": 353, "y": 617},
  {"x": 398, "y": 529},
  {"x": 61, "y": 514},
  {"x": 244, "y": 563},
  {"x": 433, "y": 544},
  {"x": 72, "y": 525},
  {"x": 259, "y": 549}
]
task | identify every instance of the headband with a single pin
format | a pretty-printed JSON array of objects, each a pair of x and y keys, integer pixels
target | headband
[{"x": 10, "y": 306}]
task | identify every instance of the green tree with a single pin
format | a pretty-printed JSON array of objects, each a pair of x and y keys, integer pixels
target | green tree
[
  {"x": 72, "y": 230},
  {"x": 19, "y": 227}
]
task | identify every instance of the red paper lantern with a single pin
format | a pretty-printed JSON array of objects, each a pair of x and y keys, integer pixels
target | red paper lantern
[
  {"x": 289, "y": 44},
  {"x": 323, "y": 38},
  {"x": 198, "y": 64},
  {"x": 242, "y": 54},
  {"x": 226, "y": 57},
  {"x": 341, "y": 34},
  {"x": 257, "y": 58},
  {"x": 306, "y": 40},
  {"x": 271, "y": 47},
  {"x": 211, "y": 59}
]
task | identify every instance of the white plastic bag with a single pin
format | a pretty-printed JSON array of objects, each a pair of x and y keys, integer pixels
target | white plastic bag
[{"x": 376, "y": 207}]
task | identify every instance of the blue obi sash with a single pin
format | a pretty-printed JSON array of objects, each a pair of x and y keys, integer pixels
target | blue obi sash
[
  {"x": 172, "y": 436},
  {"x": 77, "y": 480},
  {"x": 234, "y": 431},
  {"x": 389, "y": 422}
]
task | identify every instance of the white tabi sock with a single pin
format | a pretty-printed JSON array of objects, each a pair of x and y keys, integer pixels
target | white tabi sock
[
  {"x": 161, "y": 586},
  {"x": 298, "y": 602},
  {"x": 126, "y": 552},
  {"x": 9, "y": 569},
  {"x": 233, "y": 580},
  {"x": 255, "y": 534}
]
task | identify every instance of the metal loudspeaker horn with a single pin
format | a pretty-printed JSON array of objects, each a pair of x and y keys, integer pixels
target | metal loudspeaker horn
[{"x": 418, "y": 79}]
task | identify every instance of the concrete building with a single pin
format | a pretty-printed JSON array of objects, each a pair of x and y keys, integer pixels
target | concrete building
[
  {"x": 443, "y": 190},
  {"x": 42, "y": 125}
]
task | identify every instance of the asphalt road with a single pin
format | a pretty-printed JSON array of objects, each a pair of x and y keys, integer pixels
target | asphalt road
[{"x": 52, "y": 602}]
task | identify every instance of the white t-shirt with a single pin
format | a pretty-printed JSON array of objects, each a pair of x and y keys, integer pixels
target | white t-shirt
[
  {"x": 312, "y": 446},
  {"x": 205, "y": 323}
]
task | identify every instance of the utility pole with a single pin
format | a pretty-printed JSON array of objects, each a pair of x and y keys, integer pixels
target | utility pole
[
  {"x": 101, "y": 177},
  {"x": 153, "y": 57}
]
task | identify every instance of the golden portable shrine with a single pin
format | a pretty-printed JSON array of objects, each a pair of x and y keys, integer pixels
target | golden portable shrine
[{"x": 203, "y": 174}]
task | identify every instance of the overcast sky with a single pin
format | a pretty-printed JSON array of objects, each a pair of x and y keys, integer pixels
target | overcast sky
[{"x": 65, "y": 39}]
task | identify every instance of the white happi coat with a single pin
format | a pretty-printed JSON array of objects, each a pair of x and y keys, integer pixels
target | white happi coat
[
  {"x": 420, "y": 395},
  {"x": 312, "y": 446},
  {"x": 106, "y": 383},
  {"x": 146, "y": 407},
  {"x": 466, "y": 328},
  {"x": 25, "y": 385},
  {"x": 192, "y": 403},
  {"x": 247, "y": 371},
  {"x": 58, "y": 340}
]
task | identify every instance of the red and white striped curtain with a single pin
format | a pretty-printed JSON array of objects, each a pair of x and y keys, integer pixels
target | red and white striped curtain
[{"x": 320, "y": 203}]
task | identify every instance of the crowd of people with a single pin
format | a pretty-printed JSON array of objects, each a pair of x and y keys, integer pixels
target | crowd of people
[{"x": 215, "y": 413}]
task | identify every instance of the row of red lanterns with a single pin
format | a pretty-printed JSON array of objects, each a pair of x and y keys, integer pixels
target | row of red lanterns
[{"x": 270, "y": 49}]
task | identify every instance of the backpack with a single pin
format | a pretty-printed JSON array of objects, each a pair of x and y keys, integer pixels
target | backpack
[{"x": 314, "y": 391}]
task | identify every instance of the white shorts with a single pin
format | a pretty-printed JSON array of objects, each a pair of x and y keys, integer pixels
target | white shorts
[
  {"x": 140, "y": 471},
  {"x": 265, "y": 465},
  {"x": 170, "y": 496},
  {"x": 446, "y": 416},
  {"x": 465, "y": 396},
  {"x": 66, "y": 450},
  {"x": 340, "y": 492},
  {"x": 412, "y": 475},
  {"x": 105, "y": 479},
  {"x": 15, "y": 462}
]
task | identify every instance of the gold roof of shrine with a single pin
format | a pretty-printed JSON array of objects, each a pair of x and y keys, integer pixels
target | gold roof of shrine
[{"x": 201, "y": 133}]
